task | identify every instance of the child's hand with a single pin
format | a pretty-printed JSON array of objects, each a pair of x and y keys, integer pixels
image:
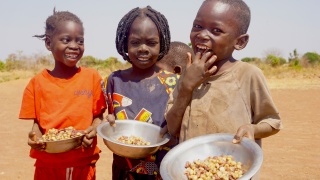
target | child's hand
[
  {"x": 173, "y": 139},
  {"x": 244, "y": 131},
  {"x": 111, "y": 119},
  {"x": 199, "y": 70},
  {"x": 90, "y": 133},
  {"x": 164, "y": 130},
  {"x": 34, "y": 142}
]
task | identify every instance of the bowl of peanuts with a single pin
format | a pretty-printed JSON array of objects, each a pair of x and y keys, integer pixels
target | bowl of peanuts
[
  {"x": 62, "y": 140},
  {"x": 131, "y": 138},
  {"x": 212, "y": 156}
]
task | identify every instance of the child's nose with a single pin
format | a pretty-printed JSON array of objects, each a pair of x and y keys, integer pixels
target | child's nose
[
  {"x": 143, "y": 48},
  {"x": 204, "y": 34},
  {"x": 73, "y": 45}
]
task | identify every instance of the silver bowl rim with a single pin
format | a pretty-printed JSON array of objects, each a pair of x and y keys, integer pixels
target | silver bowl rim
[
  {"x": 166, "y": 137},
  {"x": 220, "y": 137}
]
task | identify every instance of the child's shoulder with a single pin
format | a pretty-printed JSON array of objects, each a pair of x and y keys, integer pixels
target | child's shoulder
[
  {"x": 247, "y": 68},
  {"x": 88, "y": 70}
]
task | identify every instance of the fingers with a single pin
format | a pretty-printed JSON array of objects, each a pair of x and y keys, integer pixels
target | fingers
[
  {"x": 32, "y": 136},
  {"x": 87, "y": 142},
  {"x": 163, "y": 131},
  {"x": 189, "y": 59},
  {"x": 88, "y": 130},
  {"x": 207, "y": 60},
  {"x": 111, "y": 119},
  {"x": 236, "y": 139},
  {"x": 35, "y": 143},
  {"x": 244, "y": 131}
]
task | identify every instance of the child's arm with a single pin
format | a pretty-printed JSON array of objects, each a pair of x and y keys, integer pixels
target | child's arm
[
  {"x": 34, "y": 136},
  {"x": 196, "y": 73},
  {"x": 266, "y": 120},
  {"x": 91, "y": 131},
  {"x": 254, "y": 131}
]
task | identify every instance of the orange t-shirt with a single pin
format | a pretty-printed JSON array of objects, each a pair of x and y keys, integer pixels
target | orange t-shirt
[{"x": 60, "y": 103}]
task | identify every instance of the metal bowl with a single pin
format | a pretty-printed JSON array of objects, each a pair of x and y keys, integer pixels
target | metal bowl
[
  {"x": 149, "y": 132},
  {"x": 63, "y": 145},
  {"x": 247, "y": 151}
]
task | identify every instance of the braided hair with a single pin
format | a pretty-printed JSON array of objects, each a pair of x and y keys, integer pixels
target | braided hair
[
  {"x": 124, "y": 27},
  {"x": 53, "y": 21}
]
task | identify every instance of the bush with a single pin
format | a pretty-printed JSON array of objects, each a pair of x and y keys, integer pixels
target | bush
[
  {"x": 273, "y": 60},
  {"x": 2, "y": 66},
  {"x": 88, "y": 61},
  {"x": 311, "y": 58},
  {"x": 247, "y": 59}
]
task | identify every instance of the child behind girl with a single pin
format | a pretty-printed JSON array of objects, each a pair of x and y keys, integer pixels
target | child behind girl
[
  {"x": 65, "y": 96},
  {"x": 177, "y": 58},
  {"x": 141, "y": 92}
]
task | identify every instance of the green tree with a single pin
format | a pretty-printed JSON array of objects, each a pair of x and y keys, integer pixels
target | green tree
[
  {"x": 273, "y": 60},
  {"x": 312, "y": 58},
  {"x": 294, "y": 56},
  {"x": 2, "y": 66}
]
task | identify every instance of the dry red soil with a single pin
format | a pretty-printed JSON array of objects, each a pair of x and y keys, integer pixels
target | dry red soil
[{"x": 293, "y": 153}]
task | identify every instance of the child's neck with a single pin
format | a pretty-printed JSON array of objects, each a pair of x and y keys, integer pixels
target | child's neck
[
  {"x": 224, "y": 64},
  {"x": 137, "y": 74},
  {"x": 64, "y": 72}
]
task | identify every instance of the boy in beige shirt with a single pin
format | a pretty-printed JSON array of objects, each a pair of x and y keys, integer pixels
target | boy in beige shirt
[{"x": 217, "y": 93}]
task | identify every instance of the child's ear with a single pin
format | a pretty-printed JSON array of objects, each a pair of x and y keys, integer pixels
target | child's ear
[
  {"x": 177, "y": 69},
  {"x": 242, "y": 41},
  {"x": 47, "y": 42}
]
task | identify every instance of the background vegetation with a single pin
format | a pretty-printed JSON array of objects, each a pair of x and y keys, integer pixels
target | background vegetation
[{"x": 18, "y": 65}]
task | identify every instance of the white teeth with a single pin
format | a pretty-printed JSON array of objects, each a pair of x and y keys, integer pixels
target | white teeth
[
  {"x": 202, "y": 47},
  {"x": 71, "y": 56},
  {"x": 143, "y": 59}
]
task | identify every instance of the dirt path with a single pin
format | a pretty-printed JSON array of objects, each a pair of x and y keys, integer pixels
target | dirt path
[{"x": 291, "y": 154}]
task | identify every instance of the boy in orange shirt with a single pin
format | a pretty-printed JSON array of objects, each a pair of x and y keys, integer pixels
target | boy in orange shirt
[{"x": 65, "y": 96}]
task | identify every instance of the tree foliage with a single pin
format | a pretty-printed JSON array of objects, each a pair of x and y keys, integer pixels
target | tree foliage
[{"x": 312, "y": 58}]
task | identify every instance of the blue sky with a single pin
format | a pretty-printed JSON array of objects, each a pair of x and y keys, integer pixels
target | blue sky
[{"x": 278, "y": 26}]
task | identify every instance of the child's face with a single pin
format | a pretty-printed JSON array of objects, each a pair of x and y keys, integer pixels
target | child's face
[
  {"x": 214, "y": 29},
  {"x": 143, "y": 43},
  {"x": 67, "y": 44}
]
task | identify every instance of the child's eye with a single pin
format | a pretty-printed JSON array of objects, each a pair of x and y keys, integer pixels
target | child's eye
[
  {"x": 134, "y": 43},
  {"x": 65, "y": 40},
  {"x": 153, "y": 43},
  {"x": 215, "y": 30},
  {"x": 80, "y": 41},
  {"x": 197, "y": 26}
]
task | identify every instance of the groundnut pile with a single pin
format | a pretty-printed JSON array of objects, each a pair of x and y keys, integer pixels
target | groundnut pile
[
  {"x": 222, "y": 167},
  {"x": 134, "y": 140},
  {"x": 62, "y": 134}
]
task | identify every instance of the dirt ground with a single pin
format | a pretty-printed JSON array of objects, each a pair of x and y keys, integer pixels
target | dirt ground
[{"x": 293, "y": 153}]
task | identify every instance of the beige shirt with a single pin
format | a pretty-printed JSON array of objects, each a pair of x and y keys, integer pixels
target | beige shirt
[{"x": 226, "y": 101}]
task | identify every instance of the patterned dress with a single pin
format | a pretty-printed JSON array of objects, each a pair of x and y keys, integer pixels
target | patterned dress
[{"x": 143, "y": 100}]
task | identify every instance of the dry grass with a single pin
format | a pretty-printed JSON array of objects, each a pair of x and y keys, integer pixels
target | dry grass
[
  {"x": 282, "y": 77},
  {"x": 285, "y": 77}
]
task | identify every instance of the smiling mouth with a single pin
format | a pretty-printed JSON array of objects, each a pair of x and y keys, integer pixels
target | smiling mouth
[
  {"x": 203, "y": 49},
  {"x": 71, "y": 56},
  {"x": 143, "y": 59}
]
